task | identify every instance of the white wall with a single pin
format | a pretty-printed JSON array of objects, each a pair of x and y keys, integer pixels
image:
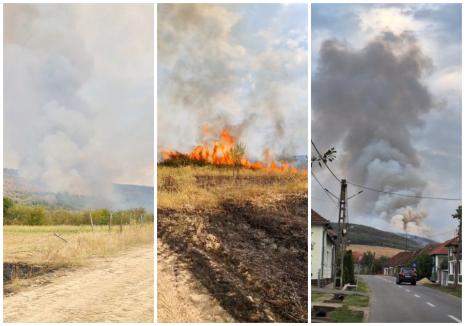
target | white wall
[{"x": 317, "y": 244}]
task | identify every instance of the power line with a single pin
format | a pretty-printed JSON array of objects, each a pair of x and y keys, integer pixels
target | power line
[
  {"x": 324, "y": 189},
  {"x": 403, "y": 195},
  {"x": 379, "y": 190},
  {"x": 324, "y": 162}
]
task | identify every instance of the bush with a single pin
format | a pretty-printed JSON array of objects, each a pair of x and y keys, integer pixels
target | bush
[
  {"x": 18, "y": 214},
  {"x": 348, "y": 276}
]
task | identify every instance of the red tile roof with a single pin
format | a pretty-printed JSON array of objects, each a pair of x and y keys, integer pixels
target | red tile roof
[
  {"x": 454, "y": 242},
  {"x": 440, "y": 249},
  {"x": 401, "y": 259},
  {"x": 317, "y": 219}
]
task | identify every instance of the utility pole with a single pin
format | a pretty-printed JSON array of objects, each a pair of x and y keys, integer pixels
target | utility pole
[
  {"x": 342, "y": 232},
  {"x": 406, "y": 239}
]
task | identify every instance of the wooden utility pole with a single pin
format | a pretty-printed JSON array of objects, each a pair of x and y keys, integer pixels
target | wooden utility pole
[{"x": 342, "y": 232}]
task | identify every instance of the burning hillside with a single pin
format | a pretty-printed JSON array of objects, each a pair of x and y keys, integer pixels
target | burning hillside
[{"x": 220, "y": 152}]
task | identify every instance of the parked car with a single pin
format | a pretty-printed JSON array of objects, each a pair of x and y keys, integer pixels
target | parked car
[{"x": 407, "y": 274}]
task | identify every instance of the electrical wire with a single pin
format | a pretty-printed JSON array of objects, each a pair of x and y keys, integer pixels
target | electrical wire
[
  {"x": 403, "y": 195},
  {"x": 378, "y": 190},
  {"x": 321, "y": 158},
  {"x": 324, "y": 189}
]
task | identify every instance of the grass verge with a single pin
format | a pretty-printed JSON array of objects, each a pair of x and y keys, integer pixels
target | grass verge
[
  {"x": 454, "y": 291},
  {"x": 318, "y": 296},
  {"x": 362, "y": 286},
  {"x": 357, "y": 300},
  {"x": 346, "y": 315}
]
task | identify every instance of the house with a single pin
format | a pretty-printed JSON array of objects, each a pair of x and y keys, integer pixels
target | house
[
  {"x": 323, "y": 250},
  {"x": 454, "y": 257},
  {"x": 400, "y": 259},
  {"x": 439, "y": 257}
]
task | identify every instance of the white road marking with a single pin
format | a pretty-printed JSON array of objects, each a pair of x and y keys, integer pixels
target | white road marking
[
  {"x": 430, "y": 304},
  {"x": 400, "y": 287},
  {"x": 407, "y": 290},
  {"x": 454, "y": 318},
  {"x": 417, "y": 295}
]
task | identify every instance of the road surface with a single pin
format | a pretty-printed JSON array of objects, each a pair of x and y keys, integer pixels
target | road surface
[
  {"x": 113, "y": 289},
  {"x": 405, "y": 303}
]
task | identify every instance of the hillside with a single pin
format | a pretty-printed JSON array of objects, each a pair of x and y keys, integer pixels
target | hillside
[
  {"x": 366, "y": 235},
  {"x": 124, "y": 196}
]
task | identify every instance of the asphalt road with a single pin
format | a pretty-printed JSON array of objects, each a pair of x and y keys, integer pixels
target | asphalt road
[{"x": 405, "y": 303}]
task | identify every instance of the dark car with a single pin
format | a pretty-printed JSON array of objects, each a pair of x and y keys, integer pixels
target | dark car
[{"x": 407, "y": 274}]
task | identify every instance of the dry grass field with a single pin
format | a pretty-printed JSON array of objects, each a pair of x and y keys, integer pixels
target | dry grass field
[
  {"x": 243, "y": 239},
  {"x": 34, "y": 250},
  {"x": 379, "y": 251}
]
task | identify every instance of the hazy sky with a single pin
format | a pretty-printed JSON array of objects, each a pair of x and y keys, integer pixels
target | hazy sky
[
  {"x": 386, "y": 92},
  {"x": 243, "y": 67},
  {"x": 79, "y": 103}
]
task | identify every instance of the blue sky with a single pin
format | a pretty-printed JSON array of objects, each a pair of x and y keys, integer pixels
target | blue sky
[
  {"x": 432, "y": 129},
  {"x": 240, "y": 66}
]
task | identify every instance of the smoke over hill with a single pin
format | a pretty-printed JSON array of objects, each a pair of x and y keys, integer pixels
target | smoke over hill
[
  {"x": 368, "y": 100},
  {"x": 78, "y": 98}
]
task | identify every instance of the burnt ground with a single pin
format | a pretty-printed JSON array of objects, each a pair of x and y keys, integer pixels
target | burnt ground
[{"x": 251, "y": 255}]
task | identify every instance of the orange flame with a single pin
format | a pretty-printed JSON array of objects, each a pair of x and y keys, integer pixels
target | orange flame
[{"x": 219, "y": 153}]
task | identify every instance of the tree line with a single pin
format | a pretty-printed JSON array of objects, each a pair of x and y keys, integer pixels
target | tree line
[{"x": 24, "y": 214}]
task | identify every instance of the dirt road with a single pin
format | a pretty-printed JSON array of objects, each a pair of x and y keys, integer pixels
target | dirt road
[
  {"x": 180, "y": 297},
  {"x": 112, "y": 289}
]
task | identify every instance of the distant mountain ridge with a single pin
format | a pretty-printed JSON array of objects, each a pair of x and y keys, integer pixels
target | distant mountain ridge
[
  {"x": 128, "y": 196},
  {"x": 366, "y": 235}
]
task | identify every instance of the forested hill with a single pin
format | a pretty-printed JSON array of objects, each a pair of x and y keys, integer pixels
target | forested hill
[{"x": 366, "y": 235}]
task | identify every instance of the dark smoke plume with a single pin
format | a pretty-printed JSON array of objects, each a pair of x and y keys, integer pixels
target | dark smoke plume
[{"x": 366, "y": 102}]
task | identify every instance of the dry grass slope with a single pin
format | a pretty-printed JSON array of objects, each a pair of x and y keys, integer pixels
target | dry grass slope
[{"x": 244, "y": 239}]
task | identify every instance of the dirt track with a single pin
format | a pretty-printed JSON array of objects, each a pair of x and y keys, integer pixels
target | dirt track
[
  {"x": 181, "y": 298},
  {"x": 113, "y": 289}
]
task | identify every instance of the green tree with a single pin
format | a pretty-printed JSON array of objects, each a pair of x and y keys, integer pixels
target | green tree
[
  {"x": 368, "y": 261},
  {"x": 348, "y": 276},
  {"x": 35, "y": 216},
  {"x": 424, "y": 265},
  {"x": 328, "y": 156},
  {"x": 7, "y": 205},
  {"x": 379, "y": 264}
]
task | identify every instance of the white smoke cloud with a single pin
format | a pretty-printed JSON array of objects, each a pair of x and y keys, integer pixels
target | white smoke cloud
[
  {"x": 78, "y": 106},
  {"x": 411, "y": 221},
  {"x": 209, "y": 73}
]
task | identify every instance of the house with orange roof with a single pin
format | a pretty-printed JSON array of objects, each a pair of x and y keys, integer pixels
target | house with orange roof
[
  {"x": 440, "y": 262},
  {"x": 454, "y": 257}
]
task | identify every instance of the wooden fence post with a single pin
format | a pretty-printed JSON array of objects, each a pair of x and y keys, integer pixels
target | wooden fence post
[
  {"x": 91, "y": 221},
  {"x": 109, "y": 222}
]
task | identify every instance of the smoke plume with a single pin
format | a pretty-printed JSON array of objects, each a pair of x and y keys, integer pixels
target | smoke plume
[
  {"x": 78, "y": 106},
  {"x": 209, "y": 73},
  {"x": 366, "y": 102}
]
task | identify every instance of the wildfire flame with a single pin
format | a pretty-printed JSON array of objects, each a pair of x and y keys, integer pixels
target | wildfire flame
[{"x": 219, "y": 153}]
